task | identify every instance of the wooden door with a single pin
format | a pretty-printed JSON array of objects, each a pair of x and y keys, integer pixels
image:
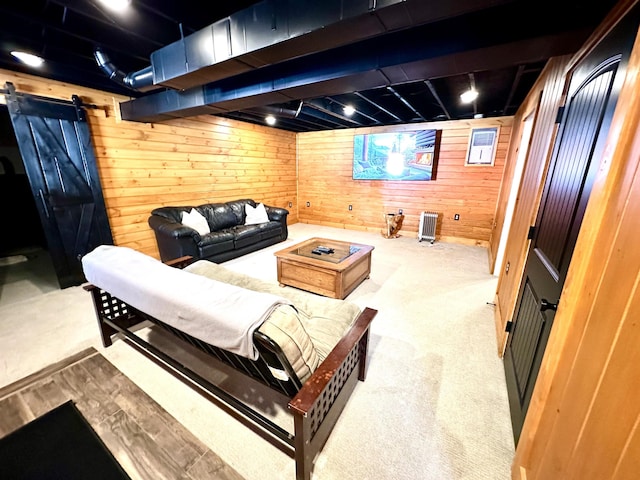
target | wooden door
[
  {"x": 591, "y": 99},
  {"x": 55, "y": 144}
]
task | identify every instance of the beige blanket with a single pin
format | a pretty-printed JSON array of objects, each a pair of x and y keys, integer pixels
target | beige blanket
[{"x": 217, "y": 313}]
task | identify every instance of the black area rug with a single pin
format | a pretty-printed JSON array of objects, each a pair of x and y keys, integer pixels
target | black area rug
[{"x": 59, "y": 445}]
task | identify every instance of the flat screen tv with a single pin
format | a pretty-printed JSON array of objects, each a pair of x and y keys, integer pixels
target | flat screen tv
[{"x": 396, "y": 156}]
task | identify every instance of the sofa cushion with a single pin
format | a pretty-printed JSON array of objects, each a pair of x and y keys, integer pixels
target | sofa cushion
[
  {"x": 216, "y": 242},
  {"x": 270, "y": 229},
  {"x": 238, "y": 208},
  {"x": 246, "y": 235},
  {"x": 219, "y": 216}
]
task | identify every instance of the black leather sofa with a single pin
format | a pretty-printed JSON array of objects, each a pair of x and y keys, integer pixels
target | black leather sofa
[{"x": 229, "y": 237}]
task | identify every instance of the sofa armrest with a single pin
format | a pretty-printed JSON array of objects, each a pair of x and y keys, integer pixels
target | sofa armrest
[
  {"x": 174, "y": 239},
  {"x": 276, "y": 213},
  {"x": 171, "y": 229}
]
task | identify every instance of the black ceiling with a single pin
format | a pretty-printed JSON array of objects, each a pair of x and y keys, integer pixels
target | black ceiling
[{"x": 414, "y": 66}]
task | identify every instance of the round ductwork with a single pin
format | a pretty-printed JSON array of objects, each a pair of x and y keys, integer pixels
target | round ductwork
[{"x": 141, "y": 81}]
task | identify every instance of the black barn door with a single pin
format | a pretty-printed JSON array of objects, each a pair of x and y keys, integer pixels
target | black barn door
[
  {"x": 55, "y": 145},
  {"x": 591, "y": 99}
]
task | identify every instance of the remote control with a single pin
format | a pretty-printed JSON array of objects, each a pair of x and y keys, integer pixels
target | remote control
[
  {"x": 324, "y": 249},
  {"x": 316, "y": 251}
]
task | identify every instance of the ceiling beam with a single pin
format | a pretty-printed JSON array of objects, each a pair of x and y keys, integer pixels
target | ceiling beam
[
  {"x": 357, "y": 111},
  {"x": 514, "y": 87},
  {"x": 472, "y": 84},
  {"x": 405, "y": 102},
  {"x": 433, "y": 91},
  {"x": 379, "y": 107},
  {"x": 328, "y": 111},
  {"x": 322, "y": 114}
]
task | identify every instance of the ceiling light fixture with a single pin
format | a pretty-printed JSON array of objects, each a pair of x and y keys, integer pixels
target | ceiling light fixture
[
  {"x": 469, "y": 96},
  {"x": 270, "y": 119},
  {"x": 28, "y": 58},
  {"x": 116, "y": 5},
  {"x": 349, "y": 110}
]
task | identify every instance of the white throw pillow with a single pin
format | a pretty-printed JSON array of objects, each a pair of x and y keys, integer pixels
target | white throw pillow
[
  {"x": 195, "y": 220},
  {"x": 256, "y": 215}
]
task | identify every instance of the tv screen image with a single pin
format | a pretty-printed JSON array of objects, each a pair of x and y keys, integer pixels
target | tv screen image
[{"x": 396, "y": 155}]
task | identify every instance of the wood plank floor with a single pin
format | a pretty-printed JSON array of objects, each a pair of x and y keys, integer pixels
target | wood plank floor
[{"x": 148, "y": 442}]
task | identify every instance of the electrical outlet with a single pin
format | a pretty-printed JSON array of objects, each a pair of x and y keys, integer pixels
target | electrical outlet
[
  {"x": 456, "y": 216},
  {"x": 308, "y": 204},
  {"x": 350, "y": 207}
]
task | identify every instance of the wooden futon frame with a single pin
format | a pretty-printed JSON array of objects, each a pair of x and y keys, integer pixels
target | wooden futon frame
[{"x": 315, "y": 404}]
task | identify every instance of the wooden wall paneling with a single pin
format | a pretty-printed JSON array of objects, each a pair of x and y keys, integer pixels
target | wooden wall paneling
[
  {"x": 181, "y": 162},
  {"x": 506, "y": 186},
  {"x": 545, "y": 98},
  {"x": 325, "y": 162},
  {"x": 585, "y": 409},
  {"x": 192, "y": 162},
  {"x": 629, "y": 462}
]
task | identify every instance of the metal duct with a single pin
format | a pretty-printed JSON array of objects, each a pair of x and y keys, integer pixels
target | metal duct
[
  {"x": 279, "y": 111},
  {"x": 141, "y": 81},
  {"x": 272, "y": 33},
  {"x": 348, "y": 69},
  {"x": 267, "y": 33}
]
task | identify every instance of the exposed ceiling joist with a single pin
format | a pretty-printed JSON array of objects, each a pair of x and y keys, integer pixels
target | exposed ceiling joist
[{"x": 395, "y": 62}]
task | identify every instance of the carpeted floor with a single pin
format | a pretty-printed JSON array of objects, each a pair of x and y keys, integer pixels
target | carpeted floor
[
  {"x": 434, "y": 405},
  {"x": 26, "y": 274}
]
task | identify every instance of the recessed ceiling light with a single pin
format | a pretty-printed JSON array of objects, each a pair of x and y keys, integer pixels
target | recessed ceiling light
[
  {"x": 469, "y": 96},
  {"x": 28, "y": 58},
  {"x": 270, "y": 119},
  {"x": 116, "y": 5},
  {"x": 349, "y": 110}
]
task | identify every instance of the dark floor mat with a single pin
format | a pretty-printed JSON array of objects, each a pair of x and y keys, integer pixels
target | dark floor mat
[{"x": 59, "y": 445}]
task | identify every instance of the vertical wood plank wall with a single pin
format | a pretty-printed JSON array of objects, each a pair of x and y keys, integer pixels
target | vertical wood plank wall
[
  {"x": 544, "y": 99},
  {"x": 325, "y": 161},
  {"x": 181, "y": 162}
]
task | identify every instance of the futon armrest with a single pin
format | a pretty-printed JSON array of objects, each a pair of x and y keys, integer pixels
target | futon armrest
[{"x": 313, "y": 389}]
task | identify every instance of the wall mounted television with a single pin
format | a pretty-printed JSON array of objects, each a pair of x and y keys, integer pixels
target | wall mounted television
[{"x": 409, "y": 155}]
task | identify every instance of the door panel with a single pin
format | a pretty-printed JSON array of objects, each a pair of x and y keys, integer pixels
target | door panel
[
  {"x": 591, "y": 99},
  {"x": 55, "y": 144},
  {"x": 568, "y": 180}
]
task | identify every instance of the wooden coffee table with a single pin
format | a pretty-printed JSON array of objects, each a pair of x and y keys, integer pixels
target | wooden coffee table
[{"x": 333, "y": 275}]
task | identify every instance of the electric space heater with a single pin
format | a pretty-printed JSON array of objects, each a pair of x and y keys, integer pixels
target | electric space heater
[{"x": 427, "y": 230}]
